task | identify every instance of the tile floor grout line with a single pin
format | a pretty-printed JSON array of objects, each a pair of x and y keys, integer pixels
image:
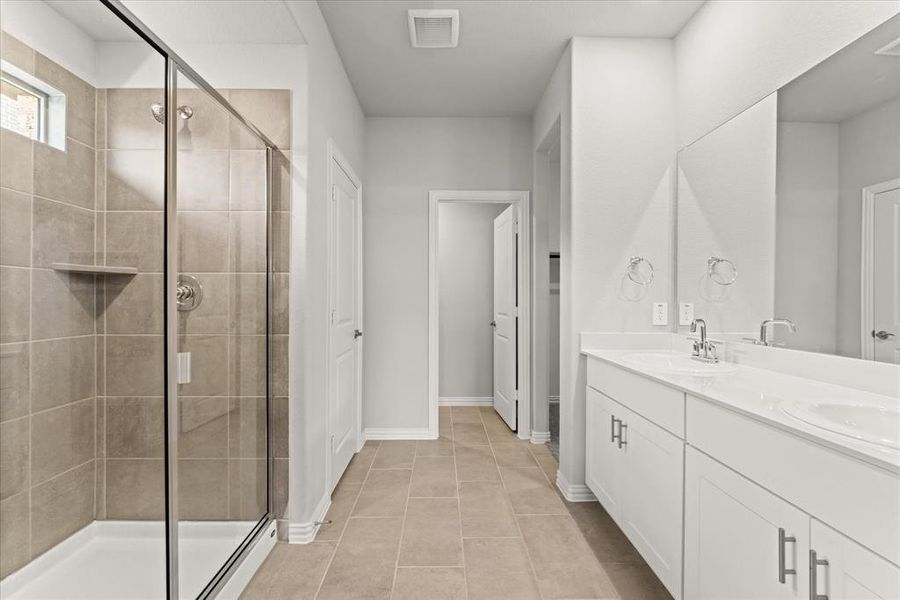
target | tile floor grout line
[
  {"x": 462, "y": 543},
  {"x": 518, "y": 526},
  {"x": 402, "y": 526},
  {"x": 344, "y": 528}
]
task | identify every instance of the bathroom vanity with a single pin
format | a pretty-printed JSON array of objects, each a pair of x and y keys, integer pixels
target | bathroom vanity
[{"x": 735, "y": 481}]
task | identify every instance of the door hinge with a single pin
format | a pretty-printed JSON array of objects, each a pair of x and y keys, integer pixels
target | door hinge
[
  {"x": 332, "y": 316},
  {"x": 515, "y": 311}
]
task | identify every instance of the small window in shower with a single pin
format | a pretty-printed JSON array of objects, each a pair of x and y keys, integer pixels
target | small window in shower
[
  {"x": 23, "y": 108},
  {"x": 31, "y": 107}
]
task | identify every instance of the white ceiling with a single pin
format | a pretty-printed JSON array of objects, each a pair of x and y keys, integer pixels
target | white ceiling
[
  {"x": 850, "y": 82},
  {"x": 507, "y": 49},
  {"x": 189, "y": 21}
]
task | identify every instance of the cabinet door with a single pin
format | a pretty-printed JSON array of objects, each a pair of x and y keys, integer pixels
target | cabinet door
[
  {"x": 732, "y": 537},
  {"x": 653, "y": 495},
  {"x": 603, "y": 459},
  {"x": 853, "y": 572}
]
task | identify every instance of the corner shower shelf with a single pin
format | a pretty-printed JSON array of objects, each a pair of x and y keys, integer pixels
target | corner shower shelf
[{"x": 94, "y": 269}]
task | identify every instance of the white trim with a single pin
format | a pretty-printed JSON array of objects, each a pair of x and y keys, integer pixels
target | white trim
[
  {"x": 238, "y": 581},
  {"x": 399, "y": 433},
  {"x": 335, "y": 156},
  {"x": 464, "y": 401},
  {"x": 304, "y": 533},
  {"x": 867, "y": 278},
  {"x": 540, "y": 437},
  {"x": 572, "y": 492},
  {"x": 522, "y": 199}
]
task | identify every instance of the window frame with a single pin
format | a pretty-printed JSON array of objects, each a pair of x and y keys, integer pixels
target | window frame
[{"x": 43, "y": 112}]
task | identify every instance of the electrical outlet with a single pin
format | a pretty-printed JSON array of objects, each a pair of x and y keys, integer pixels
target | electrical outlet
[
  {"x": 685, "y": 313},
  {"x": 660, "y": 313}
]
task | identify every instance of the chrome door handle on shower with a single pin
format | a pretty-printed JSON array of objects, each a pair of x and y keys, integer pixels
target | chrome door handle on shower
[{"x": 882, "y": 335}]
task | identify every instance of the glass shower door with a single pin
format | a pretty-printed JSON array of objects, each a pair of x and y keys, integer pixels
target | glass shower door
[{"x": 222, "y": 343}]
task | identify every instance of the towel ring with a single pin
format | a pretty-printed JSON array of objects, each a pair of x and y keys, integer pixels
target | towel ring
[
  {"x": 718, "y": 274},
  {"x": 633, "y": 271}
]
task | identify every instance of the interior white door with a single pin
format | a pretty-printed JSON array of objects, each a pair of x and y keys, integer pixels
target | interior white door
[
  {"x": 886, "y": 277},
  {"x": 505, "y": 316},
  {"x": 346, "y": 341}
]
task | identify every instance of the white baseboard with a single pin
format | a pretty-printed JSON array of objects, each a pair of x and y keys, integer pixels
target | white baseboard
[
  {"x": 462, "y": 401},
  {"x": 574, "y": 492},
  {"x": 304, "y": 533},
  {"x": 553, "y": 399},
  {"x": 399, "y": 433},
  {"x": 249, "y": 566},
  {"x": 540, "y": 437}
]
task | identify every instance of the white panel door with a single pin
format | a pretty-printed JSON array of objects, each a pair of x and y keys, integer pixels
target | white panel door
[
  {"x": 603, "y": 458},
  {"x": 653, "y": 492},
  {"x": 344, "y": 395},
  {"x": 731, "y": 537},
  {"x": 852, "y": 572},
  {"x": 886, "y": 274},
  {"x": 505, "y": 321}
]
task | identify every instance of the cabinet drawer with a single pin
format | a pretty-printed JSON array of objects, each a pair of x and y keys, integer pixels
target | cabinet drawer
[
  {"x": 654, "y": 401},
  {"x": 857, "y": 499}
]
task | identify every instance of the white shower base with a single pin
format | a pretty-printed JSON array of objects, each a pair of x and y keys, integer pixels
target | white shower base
[{"x": 126, "y": 560}]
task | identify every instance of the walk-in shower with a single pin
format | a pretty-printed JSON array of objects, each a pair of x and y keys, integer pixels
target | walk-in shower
[{"x": 143, "y": 334}]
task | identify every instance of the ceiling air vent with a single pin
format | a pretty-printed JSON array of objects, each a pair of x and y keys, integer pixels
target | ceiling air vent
[
  {"x": 434, "y": 28},
  {"x": 892, "y": 49}
]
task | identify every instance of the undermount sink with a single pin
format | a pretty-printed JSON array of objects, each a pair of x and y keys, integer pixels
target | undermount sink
[
  {"x": 874, "y": 423},
  {"x": 676, "y": 363}
]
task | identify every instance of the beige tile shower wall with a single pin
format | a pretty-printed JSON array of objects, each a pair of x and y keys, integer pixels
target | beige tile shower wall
[
  {"x": 47, "y": 324},
  {"x": 222, "y": 218}
]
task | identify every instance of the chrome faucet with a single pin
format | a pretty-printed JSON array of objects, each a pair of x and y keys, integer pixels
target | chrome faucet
[
  {"x": 764, "y": 330},
  {"x": 704, "y": 349}
]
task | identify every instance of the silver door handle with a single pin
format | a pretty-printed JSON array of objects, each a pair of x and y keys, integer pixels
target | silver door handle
[
  {"x": 782, "y": 540},
  {"x": 612, "y": 428},
  {"x": 494, "y": 324},
  {"x": 882, "y": 335},
  {"x": 814, "y": 563},
  {"x": 622, "y": 427},
  {"x": 357, "y": 333}
]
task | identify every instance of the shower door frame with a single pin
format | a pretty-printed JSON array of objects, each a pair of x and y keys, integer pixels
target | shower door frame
[{"x": 175, "y": 65}]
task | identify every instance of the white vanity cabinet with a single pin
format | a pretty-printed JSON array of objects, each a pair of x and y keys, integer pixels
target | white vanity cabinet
[
  {"x": 740, "y": 540},
  {"x": 635, "y": 468},
  {"x": 853, "y": 572},
  {"x": 724, "y": 505}
]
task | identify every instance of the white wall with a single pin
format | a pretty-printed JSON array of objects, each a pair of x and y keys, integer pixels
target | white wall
[
  {"x": 333, "y": 113},
  {"x": 551, "y": 130},
  {"x": 405, "y": 158},
  {"x": 466, "y": 299},
  {"x": 726, "y": 209},
  {"x": 869, "y": 147},
  {"x": 806, "y": 233},
  {"x": 622, "y": 153},
  {"x": 732, "y": 54}
]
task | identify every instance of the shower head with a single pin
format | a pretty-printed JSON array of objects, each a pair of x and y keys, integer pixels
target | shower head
[{"x": 159, "y": 112}]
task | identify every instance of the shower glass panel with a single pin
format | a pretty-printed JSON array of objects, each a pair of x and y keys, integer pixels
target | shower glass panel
[
  {"x": 82, "y": 371},
  {"x": 222, "y": 286}
]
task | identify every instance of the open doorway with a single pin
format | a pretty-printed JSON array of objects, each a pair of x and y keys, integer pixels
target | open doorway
[
  {"x": 479, "y": 333},
  {"x": 553, "y": 284}
]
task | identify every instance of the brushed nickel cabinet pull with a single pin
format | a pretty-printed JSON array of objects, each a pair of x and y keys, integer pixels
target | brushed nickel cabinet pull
[
  {"x": 782, "y": 540},
  {"x": 814, "y": 563}
]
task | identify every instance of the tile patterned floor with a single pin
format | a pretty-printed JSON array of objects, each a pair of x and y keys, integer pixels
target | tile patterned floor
[{"x": 473, "y": 515}]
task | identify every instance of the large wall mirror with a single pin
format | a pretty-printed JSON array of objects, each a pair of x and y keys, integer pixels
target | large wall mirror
[{"x": 791, "y": 210}]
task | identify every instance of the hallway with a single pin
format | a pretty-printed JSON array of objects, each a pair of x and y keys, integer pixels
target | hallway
[{"x": 473, "y": 515}]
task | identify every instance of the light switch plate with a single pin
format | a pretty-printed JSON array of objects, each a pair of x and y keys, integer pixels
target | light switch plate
[
  {"x": 685, "y": 313},
  {"x": 660, "y": 313}
]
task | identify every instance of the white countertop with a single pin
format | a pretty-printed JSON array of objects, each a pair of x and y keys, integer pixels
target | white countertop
[{"x": 760, "y": 393}]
